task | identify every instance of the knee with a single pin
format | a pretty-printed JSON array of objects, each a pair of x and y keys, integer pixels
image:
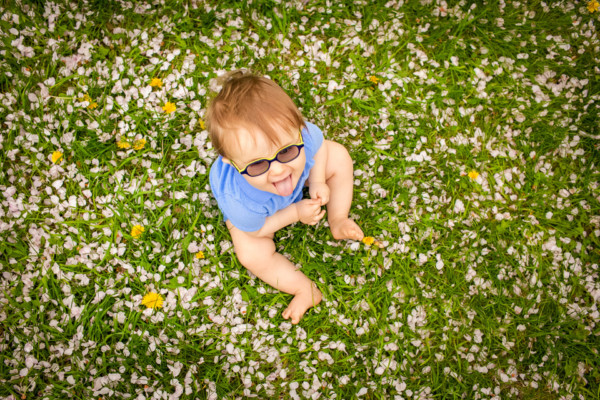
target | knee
[
  {"x": 337, "y": 152},
  {"x": 251, "y": 258},
  {"x": 245, "y": 256},
  {"x": 251, "y": 251},
  {"x": 338, "y": 157}
]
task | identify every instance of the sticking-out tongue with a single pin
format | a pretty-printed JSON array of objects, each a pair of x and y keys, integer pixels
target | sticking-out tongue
[{"x": 284, "y": 187}]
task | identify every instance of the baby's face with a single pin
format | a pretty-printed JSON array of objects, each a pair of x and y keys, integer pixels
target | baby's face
[{"x": 281, "y": 178}]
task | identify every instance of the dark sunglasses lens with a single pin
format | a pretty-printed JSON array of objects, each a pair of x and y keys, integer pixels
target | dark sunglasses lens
[
  {"x": 258, "y": 168},
  {"x": 287, "y": 155}
]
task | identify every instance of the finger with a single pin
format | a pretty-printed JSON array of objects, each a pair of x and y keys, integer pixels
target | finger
[
  {"x": 286, "y": 313},
  {"x": 321, "y": 215}
]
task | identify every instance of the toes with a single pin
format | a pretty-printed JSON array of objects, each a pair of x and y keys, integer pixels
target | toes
[
  {"x": 287, "y": 314},
  {"x": 295, "y": 319},
  {"x": 358, "y": 234}
]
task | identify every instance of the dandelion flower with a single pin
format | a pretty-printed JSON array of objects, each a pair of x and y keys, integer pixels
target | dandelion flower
[
  {"x": 123, "y": 144},
  {"x": 156, "y": 82},
  {"x": 169, "y": 107},
  {"x": 139, "y": 144},
  {"x": 152, "y": 300},
  {"x": 374, "y": 79},
  {"x": 57, "y": 157},
  {"x": 200, "y": 255},
  {"x": 368, "y": 240},
  {"x": 593, "y": 6},
  {"x": 202, "y": 124},
  {"x": 473, "y": 175},
  {"x": 137, "y": 231},
  {"x": 92, "y": 104}
]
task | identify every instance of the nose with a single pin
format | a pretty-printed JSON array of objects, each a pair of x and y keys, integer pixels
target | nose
[{"x": 277, "y": 169}]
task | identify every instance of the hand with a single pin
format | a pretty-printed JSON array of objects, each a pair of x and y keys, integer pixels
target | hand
[
  {"x": 309, "y": 211},
  {"x": 320, "y": 191}
]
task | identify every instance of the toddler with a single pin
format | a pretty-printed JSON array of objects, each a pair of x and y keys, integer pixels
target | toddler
[{"x": 267, "y": 154}]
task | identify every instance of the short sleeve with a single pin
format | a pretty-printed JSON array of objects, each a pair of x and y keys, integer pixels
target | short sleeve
[
  {"x": 241, "y": 217},
  {"x": 313, "y": 139}
]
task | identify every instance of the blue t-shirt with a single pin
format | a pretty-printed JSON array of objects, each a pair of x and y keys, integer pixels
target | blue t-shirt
[{"x": 246, "y": 206}]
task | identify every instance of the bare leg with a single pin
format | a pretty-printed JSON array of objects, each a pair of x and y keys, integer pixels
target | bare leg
[
  {"x": 258, "y": 255},
  {"x": 340, "y": 179}
]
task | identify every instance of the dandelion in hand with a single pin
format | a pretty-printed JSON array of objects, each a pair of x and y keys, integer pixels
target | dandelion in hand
[
  {"x": 57, "y": 157},
  {"x": 139, "y": 144},
  {"x": 169, "y": 107},
  {"x": 156, "y": 82},
  {"x": 152, "y": 300},
  {"x": 473, "y": 175},
  {"x": 137, "y": 231},
  {"x": 593, "y": 6}
]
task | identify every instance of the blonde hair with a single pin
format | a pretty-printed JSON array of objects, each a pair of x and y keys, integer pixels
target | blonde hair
[{"x": 251, "y": 102}]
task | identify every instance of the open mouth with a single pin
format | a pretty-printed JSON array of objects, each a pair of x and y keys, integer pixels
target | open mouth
[{"x": 284, "y": 187}]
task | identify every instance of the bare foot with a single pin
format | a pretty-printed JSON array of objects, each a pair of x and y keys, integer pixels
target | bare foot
[
  {"x": 345, "y": 229},
  {"x": 302, "y": 302}
]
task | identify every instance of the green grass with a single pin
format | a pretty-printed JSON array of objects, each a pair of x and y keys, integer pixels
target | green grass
[{"x": 482, "y": 288}]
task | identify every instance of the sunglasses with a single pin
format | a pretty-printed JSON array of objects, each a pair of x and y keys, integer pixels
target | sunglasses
[{"x": 283, "y": 155}]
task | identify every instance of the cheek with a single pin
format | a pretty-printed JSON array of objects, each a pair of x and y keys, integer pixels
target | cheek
[{"x": 299, "y": 163}]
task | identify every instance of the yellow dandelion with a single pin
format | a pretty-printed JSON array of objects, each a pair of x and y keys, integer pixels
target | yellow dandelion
[
  {"x": 473, "y": 175},
  {"x": 202, "y": 124},
  {"x": 123, "y": 144},
  {"x": 156, "y": 82},
  {"x": 368, "y": 240},
  {"x": 137, "y": 231},
  {"x": 169, "y": 107},
  {"x": 152, "y": 300},
  {"x": 139, "y": 144},
  {"x": 57, "y": 157},
  {"x": 593, "y": 6},
  {"x": 374, "y": 79},
  {"x": 92, "y": 105},
  {"x": 200, "y": 255}
]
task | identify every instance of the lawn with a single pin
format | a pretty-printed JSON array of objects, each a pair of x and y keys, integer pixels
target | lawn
[{"x": 474, "y": 131}]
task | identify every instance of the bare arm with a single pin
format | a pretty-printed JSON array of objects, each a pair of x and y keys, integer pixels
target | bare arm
[
  {"x": 275, "y": 222},
  {"x": 317, "y": 185},
  {"x": 317, "y": 172},
  {"x": 307, "y": 211}
]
